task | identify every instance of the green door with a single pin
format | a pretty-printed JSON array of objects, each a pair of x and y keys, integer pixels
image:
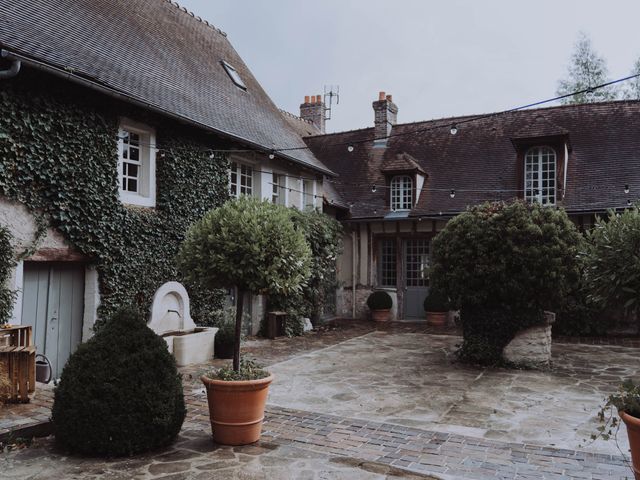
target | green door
[{"x": 53, "y": 304}]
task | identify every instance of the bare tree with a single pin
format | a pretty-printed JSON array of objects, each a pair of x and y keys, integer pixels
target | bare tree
[
  {"x": 586, "y": 70},
  {"x": 632, "y": 87}
]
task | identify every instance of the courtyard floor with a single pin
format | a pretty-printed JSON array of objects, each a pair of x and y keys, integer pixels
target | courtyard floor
[{"x": 370, "y": 402}]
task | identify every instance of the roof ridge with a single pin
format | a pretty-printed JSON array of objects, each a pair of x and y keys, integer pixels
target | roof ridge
[
  {"x": 293, "y": 115},
  {"x": 198, "y": 18}
]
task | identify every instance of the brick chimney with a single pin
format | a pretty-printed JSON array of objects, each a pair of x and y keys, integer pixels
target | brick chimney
[
  {"x": 386, "y": 114},
  {"x": 312, "y": 110}
]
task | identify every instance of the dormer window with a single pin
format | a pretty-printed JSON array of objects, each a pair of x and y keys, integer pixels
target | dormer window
[
  {"x": 401, "y": 192},
  {"x": 234, "y": 75},
  {"x": 540, "y": 175}
]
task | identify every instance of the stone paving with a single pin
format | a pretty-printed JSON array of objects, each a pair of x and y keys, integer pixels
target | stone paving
[{"x": 363, "y": 401}]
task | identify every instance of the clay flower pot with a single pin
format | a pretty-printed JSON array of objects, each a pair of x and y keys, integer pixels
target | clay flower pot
[
  {"x": 236, "y": 409},
  {"x": 381, "y": 315},
  {"x": 633, "y": 430},
  {"x": 437, "y": 319}
]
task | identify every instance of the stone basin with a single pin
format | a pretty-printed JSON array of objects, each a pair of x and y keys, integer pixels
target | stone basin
[{"x": 191, "y": 346}]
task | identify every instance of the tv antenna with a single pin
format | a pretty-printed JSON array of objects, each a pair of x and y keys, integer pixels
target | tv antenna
[{"x": 330, "y": 92}]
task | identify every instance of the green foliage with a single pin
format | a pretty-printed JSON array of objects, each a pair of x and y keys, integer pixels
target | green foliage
[
  {"x": 612, "y": 259},
  {"x": 246, "y": 243},
  {"x": 120, "y": 392},
  {"x": 632, "y": 86},
  {"x": 587, "y": 69},
  {"x": 580, "y": 315},
  {"x": 503, "y": 265},
  {"x": 58, "y": 156},
  {"x": 436, "y": 301},
  {"x": 249, "y": 370},
  {"x": 379, "y": 300},
  {"x": 324, "y": 236},
  {"x": 7, "y": 295},
  {"x": 627, "y": 400}
]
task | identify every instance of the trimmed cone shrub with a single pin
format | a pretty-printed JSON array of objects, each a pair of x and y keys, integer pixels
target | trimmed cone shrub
[
  {"x": 436, "y": 301},
  {"x": 379, "y": 300},
  {"x": 120, "y": 393},
  {"x": 503, "y": 264}
]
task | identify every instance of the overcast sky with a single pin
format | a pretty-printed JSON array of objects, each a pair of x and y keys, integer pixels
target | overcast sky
[{"x": 437, "y": 58}]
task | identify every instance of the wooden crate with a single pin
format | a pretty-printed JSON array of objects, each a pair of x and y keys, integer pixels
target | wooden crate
[{"x": 18, "y": 357}]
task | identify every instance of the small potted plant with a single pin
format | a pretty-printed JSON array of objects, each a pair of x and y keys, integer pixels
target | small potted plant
[
  {"x": 225, "y": 337},
  {"x": 254, "y": 246},
  {"x": 436, "y": 306},
  {"x": 626, "y": 403},
  {"x": 380, "y": 304}
]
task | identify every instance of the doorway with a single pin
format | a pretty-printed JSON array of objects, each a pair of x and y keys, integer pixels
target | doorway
[{"x": 415, "y": 262}]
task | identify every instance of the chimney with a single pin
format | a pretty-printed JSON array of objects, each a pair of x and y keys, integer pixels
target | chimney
[
  {"x": 312, "y": 110},
  {"x": 386, "y": 113}
]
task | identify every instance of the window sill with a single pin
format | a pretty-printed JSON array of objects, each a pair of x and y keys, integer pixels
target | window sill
[{"x": 137, "y": 200}]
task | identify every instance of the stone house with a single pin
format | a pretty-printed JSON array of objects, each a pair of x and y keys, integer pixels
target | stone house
[
  {"x": 169, "y": 122},
  {"x": 398, "y": 184}
]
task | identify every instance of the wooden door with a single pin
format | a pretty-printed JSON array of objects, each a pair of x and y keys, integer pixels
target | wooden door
[{"x": 53, "y": 304}]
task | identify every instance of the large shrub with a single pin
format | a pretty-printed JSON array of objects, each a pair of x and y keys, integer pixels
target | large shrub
[
  {"x": 120, "y": 392},
  {"x": 250, "y": 244},
  {"x": 612, "y": 259},
  {"x": 324, "y": 236},
  {"x": 503, "y": 264}
]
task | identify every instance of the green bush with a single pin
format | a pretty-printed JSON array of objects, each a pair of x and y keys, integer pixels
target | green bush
[
  {"x": 612, "y": 260},
  {"x": 120, "y": 393},
  {"x": 324, "y": 236},
  {"x": 250, "y": 244},
  {"x": 7, "y": 296},
  {"x": 379, "y": 300},
  {"x": 503, "y": 264},
  {"x": 436, "y": 301},
  {"x": 580, "y": 315}
]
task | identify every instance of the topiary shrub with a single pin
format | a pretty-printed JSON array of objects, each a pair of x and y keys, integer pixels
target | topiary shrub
[
  {"x": 503, "y": 264},
  {"x": 250, "y": 244},
  {"x": 120, "y": 393},
  {"x": 379, "y": 300},
  {"x": 612, "y": 262},
  {"x": 436, "y": 301}
]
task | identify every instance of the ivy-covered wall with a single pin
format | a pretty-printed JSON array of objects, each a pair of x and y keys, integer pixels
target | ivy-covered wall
[{"x": 58, "y": 155}]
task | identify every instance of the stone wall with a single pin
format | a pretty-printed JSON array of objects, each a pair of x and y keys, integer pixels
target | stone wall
[
  {"x": 345, "y": 307},
  {"x": 532, "y": 347}
]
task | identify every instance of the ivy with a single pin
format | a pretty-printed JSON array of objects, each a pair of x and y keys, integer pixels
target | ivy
[
  {"x": 58, "y": 156},
  {"x": 6, "y": 263}
]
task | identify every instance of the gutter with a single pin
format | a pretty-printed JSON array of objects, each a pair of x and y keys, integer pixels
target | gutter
[
  {"x": 13, "y": 70},
  {"x": 112, "y": 92}
]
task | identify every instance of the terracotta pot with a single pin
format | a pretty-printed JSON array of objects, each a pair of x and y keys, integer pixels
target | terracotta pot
[
  {"x": 236, "y": 409},
  {"x": 437, "y": 319},
  {"x": 633, "y": 430},
  {"x": 381, "y": 315}
]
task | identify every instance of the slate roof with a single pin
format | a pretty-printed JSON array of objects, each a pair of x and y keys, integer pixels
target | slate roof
[
  {"x": 157, "y": 53},
  {"x": 480, "y": 163}
]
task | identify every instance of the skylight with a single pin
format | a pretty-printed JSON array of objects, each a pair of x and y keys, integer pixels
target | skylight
[{"x": 235, "y": 76}]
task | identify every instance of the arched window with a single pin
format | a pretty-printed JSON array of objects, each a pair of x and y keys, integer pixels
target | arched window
[
  {"x": 540, "y": 175},
  {"x": 401, "y": 192}
]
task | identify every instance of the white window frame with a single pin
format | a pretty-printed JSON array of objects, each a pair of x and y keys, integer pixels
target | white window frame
[
  {"x": 278, "y": 188},
  {"x": 146, "y": 195},
  {"x": 307, "y": 184},
  {"x": 401, "y": 192},
  {"x": 239, "y": 176},
  {"x": 540, "y": 161}
]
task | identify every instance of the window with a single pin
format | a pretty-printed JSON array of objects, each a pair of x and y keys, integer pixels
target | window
[
  {"x": 416, "y": 262},
  {"x": 308, "y": 194},
  {"x": 540, "y": 175},
  {"x": 401, "y": 193},
  {"x": 234, "y": 75},
  {"x": 387, "y": 267},
  {"x": 136, "y": 164},
  {"x": 278, "y": 184},
  {"x": 240, "y": 179}
]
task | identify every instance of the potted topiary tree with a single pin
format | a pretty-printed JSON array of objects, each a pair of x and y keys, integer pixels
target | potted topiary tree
[
  {"x": 503, "y": 265},
  {"x": 436, "y": 306},
  {"x": 254, "y": 246},
  {"x": 380, "y": 304},
  {"x": 626, "y": 403}
]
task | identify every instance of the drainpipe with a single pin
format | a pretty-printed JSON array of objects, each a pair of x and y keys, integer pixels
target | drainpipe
[
  {"x": 353, "y": 274},
  {"x": 13, "y": 70}
]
